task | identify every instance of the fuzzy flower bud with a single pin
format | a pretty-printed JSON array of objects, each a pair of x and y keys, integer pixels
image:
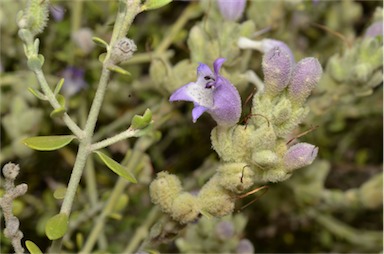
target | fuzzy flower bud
[
  {"x": 231, "y": 9},
  {"x": 299, "y": 155},
  {"x": 122, "y": 50},
  {"x": 277, "y": 68},
  {"x": 35, "y": 17},
  {"x": 164, "y": 189},
  {"x": 185, "y": 208},
  {"x": 305, "y": 76}
]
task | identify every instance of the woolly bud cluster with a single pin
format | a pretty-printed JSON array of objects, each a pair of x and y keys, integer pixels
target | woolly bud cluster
[{"x": 122, "y": 50}]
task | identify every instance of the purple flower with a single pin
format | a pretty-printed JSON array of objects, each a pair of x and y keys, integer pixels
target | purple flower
[
  {"x": 277, "y": 68},
  {"x": 244, "y": 247},
  {"x": 212, "y": 93},
  {"x": 305, "y": 76},
  {"x": 231, "y": 9},
  {"x": 225, "y": 230},
  {"x": 57, "y": 12},
  {"x": 299, "y": 155},
  {"x": 73, "y": 81}
]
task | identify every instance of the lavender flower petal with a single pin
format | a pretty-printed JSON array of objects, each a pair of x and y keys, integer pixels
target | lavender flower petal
[
  {"x": 299, "y": 155},
  {"x": 231, "y": 9}
]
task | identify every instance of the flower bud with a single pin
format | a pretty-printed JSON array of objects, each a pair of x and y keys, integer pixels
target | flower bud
[
  {"x": 122, "y": 50},
  {"x": 231, "y": 9},
  {"x": 305, "y": 76},
  {"x": 35, "y": 17},
  {"x": 185, "y": 208},
  {"x": 277, "y": 68},
  {"x": 244, "y": 247},
  {"x": 225, "y": 230},
  {"x": 374, "y": 30},
  {"x": 11, "y": 170},
  {"x": 164, "y": 189},
  {"x": 299, "y": 155}
]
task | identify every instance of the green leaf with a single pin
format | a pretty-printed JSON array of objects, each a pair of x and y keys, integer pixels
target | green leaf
[
  {"x": 37, "y": 94},
  {"x": 118, "y": 69},
  {"x": 116, "y": 167},
  {"x": 59, "y": 86},
  {"x": 154, "y": 4},
  {"x": 56, "y": 226},
  {"x": 100, "y": 42},
  {"x": 60, "y": 192},
  {"x": 140, "y": 122},
  {"x": 102, "y": 57},
  {"x": 59, "y": 112},
  {"x": 48, "y": 143},
  {"x": 61, "y": 100},
  {"x": 32, "y": 247}
]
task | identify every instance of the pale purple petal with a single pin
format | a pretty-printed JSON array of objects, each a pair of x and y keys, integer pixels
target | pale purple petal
[
  {"x": 182, "y": 94},
  {"x": 269, "y": 44},
  {"x": 245, "y": 247},
  {"x": 203, "y": 70},
  {"x": 231, "y": 9},
  {"x": 197, "y": 111},
  {"x": 299, "y": 155},
  {"x": 217, "y": 65}
]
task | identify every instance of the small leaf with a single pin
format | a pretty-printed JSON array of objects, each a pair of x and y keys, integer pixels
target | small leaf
[
  {"x": 140, "y": 122},
  {"x": 56, "y": 226},
  {"x": 32, "y": 247},
  {"x": 59, "y": 112},
  {"x": 154, "y": 4},
  {"x": 59, "y": 86},
  {"x": 48, "y": 143},
  {"x": 102, "y": 57},
  {"x": 37, "y": 94},
  {"x": 61, "y": 100},
  {"x": 100, "y": 42},
  {"x": 116, "y": 167},
  {"x": 79, "y": 240},
  {"x": 60, "y": 192},
  {"x": 118, "y": 69}
]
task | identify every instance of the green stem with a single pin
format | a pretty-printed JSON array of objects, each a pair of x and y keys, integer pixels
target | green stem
[
  {"x": 55, "y": 104},
  {"x": 109, "y": 141},
  {"x": 143, "y": 231},
  {"x": 121, "y": 184}
]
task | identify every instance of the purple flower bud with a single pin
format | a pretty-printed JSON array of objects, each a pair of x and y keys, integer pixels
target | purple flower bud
[
  {"x": 277, "y": 68},
  {"x": 374, "y": 30},
  {"x": 73, "y": 81},
  {"x": 299, "y": 155},
  {"x": 212, "y": 93},
  {"x": 231, "y": 9},
  {"x": 305, "y": 76},
  {"x": 225, "y": 230},
  {"x": 244, "y": 247}
]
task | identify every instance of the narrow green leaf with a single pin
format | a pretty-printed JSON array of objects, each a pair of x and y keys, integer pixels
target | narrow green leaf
[
  {"x": 116, "y": 167},
  {"x": 59, "y": 86},
  {"x": 56, "y": 226},
  {"x": 118, "y": 69},
  {"x": 100, "y": 42},
  {"x": 59, "y": 112},
  {"x": 37, "y": 94},
  {"x": 48, "y": 143},
  {"x": 32, "y": 247},
  {"x": 154, "y": 4}
]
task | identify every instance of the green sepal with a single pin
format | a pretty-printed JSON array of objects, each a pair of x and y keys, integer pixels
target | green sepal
[
  {"x": 100, "y": 42},
  {"x": 61, "y": 100},
  {"x": 32, "y": 247},
  {"x": 48, "y": 143},
  {"x": 140, "y": 122},
  {"x": 59, "y": 112},
  {"x": 56, "y": 226},
  {"x": 36, "y": 45},
  {"x": 118, "y": 69},
  {"x": 58, "y": 87},
  {"x": 37, "y": 94},
  {"x": 116, "y": 167},
  {"x": 154, "y": 4}
]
